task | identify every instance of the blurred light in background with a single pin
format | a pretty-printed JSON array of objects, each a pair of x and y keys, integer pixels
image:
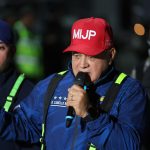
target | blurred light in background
[{"x": 139, "y": 29}]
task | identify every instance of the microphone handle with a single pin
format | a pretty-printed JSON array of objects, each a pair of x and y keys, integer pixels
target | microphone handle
[{"x": 70, "y": 115}]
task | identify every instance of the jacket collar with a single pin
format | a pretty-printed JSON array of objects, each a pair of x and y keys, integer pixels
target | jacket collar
[
  {"x": 108, "y": 75},
  {"x": 5, "y": 75}
]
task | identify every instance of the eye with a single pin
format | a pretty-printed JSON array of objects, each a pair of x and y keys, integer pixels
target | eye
[
  {"x": 2, "y": 48},
  {"x": 76, "y": 56},
  {"x": 91, "y": 58}
]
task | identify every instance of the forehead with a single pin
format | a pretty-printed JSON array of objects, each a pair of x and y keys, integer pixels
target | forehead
[
  {"x": 2, "y": 43},
  {"x": 104, "y": 53}
]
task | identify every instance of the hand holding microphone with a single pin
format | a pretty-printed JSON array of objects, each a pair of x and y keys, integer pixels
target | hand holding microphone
[{"x": 77, "y": 97}]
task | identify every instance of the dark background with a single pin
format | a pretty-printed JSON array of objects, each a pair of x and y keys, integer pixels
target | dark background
[{"x": 55, "y": 17}]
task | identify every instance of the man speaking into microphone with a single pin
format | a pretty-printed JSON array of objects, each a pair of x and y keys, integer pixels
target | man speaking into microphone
[{"x": 91, "y": 106}]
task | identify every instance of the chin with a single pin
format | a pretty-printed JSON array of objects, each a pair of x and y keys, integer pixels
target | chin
[{"x": 92, "y": 80}]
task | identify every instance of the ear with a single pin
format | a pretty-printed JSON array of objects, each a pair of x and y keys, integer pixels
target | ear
[{"x": 112, "y": 55}]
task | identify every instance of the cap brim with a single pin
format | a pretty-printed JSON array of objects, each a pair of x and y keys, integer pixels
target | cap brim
[{"x": 84, "y": 50}]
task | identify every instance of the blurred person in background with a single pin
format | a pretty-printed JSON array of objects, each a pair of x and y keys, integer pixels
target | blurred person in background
[
  {"x": 54, "y": 38},
  {"x": 146, "y": 84},
  {"x": 52, "y": 44},
  {"x": 9, "y": 15},
  {"x": 141, "y": 72},
  {"x": 29, "y": 52},
  {"x": 13, "y": 85}
]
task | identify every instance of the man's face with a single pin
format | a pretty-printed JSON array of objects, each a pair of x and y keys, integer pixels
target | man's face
[
  {"x": 93, "y": 65},
  {"x": 4, "y": 52}
]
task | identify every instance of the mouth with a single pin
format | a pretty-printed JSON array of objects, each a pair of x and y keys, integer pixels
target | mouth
[{"x": 86, "y": 72}]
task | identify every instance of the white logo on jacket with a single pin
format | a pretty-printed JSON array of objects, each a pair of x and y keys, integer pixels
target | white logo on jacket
[
  {"x": 59, "y": 101},
  {"x": 79, "y": 35}
]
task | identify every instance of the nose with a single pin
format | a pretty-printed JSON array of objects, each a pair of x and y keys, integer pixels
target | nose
[{"x": 84, "y": 62}]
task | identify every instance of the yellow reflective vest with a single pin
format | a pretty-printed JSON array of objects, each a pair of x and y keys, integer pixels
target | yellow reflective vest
[{"x": 28, "y": 52}]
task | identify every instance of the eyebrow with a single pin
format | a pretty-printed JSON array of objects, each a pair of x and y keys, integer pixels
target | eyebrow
[{"x": 75, "y": 53}]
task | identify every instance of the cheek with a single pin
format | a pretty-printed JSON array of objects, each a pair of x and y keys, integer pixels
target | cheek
[
  {"x": 97, "y": 70},
  {"x": 2, "y": 58},
  {"x": 74, "y": 68},
  {"x": 95, "y": 73}
]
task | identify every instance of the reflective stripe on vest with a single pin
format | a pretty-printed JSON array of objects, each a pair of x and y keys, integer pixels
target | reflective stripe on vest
[
  {"x": 62, "y": 72},
  {"x": 92, "y": 147},
  {"x": 13, "y": 92},
  {"x": 120, "y": 78}
]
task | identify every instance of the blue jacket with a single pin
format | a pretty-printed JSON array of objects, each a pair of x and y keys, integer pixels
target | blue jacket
[
  {"x": 7, "y": 80},
  {"x": 121, "y": 132}
]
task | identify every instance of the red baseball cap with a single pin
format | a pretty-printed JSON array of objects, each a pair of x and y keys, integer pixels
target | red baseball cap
[{"x": 90, "y": 36}]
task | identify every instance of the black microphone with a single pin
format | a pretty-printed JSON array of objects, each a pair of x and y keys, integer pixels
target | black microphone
[{"x": 82, "y": 79}]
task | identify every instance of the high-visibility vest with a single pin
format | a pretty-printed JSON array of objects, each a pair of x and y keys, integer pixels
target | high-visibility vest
[{"x": 28, "y": 56}]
